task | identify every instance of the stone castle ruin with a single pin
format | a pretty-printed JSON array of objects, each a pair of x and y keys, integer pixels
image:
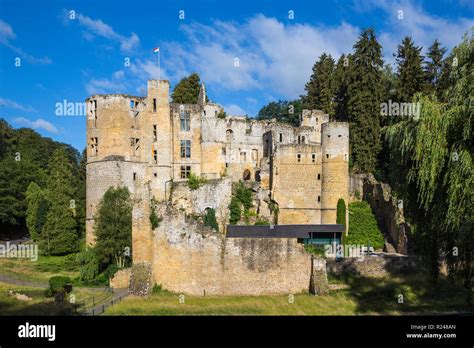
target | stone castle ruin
[{"x": 151, "y": 146}]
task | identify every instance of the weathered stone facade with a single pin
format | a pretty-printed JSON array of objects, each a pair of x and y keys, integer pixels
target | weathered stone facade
[{"x": 150, "y": 146}]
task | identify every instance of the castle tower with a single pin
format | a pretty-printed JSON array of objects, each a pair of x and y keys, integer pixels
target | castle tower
[
  {"x": 314, "y": 119},
  {"x": 335, "y": 168}
]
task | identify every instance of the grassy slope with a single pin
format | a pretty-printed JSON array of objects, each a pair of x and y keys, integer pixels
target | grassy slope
[{"x": 366, "y": 296}]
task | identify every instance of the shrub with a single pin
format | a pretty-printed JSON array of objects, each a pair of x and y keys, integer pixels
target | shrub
[
  {"x": 262, "y": 222},
  {"x": 315, "y": 249},
  {"x": 243, "y": 195},
  {"x": 222, "y": 114},
  {"x": 111, "y": 270},
  {"x": 363, "y": 226},
  {"x": 235, "y": 211},
  {"x": 89, "y": 264},
  {"x": 341, "y": 212},
  {"x": 154, "y": 219},
  {"x": 59, "y": 284},
  {"x": 195, "y": 182},
  {"x": 210, "y": 219}
]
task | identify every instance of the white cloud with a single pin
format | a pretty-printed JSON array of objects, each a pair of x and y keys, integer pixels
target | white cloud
[
  {"x": 14, "y": 105},
  {"x": 7, "y": 34},
  {"x": 261, "y": 53},
  {"x": 96, "y": 27},
  {"x": 234, "y": 110},
  {"x": 36, "y": 124}
]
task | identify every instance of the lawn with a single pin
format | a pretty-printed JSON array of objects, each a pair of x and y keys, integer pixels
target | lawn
[
  {"x": 42, "y": 269},
  {"x": 361, "y": 296}
]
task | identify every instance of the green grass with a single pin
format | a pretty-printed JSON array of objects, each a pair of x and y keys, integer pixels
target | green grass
[
  {"x": 362, "y": 296},
  {"x": 42, "y": 269}
]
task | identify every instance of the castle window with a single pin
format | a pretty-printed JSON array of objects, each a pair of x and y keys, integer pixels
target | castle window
[
  {"x": 95, "y": 146},
  {"x": 185, "y": 118},
  {"x": 329, "y": 135},
  {"x": 155, "y": 175},
  {"x": 327, "y": 155},
  {"x": 319, "y": 176},
  {"x": 339, "y": 136},
  {"x": 246, "y": 175},
  {"x": 319, "y": 198},
  {"x": 229, "y": 135},
  {"x": 281, "y": 137},
  {"x": 135, "y": 144},
  {"x": 299, "y": 157},
  {"x": 224, "y": 151},
  {"x": 313, "y": 157},
  {"x": 185, "y": 172},
  {"x": 154, "y": 104},
  {"x": 155, "y": 156},
  {"x": 155, "y": 137},
  {"x": 185, "y": 148},
  {"x": 134, "y": 176},
  {"x": 299, "y": 139},
  {"x": 243, "y": 156},
  {"x": 254, "y": 155},
  {"x": 302, "y": 139},
  {"x": 204, "y": 112}
]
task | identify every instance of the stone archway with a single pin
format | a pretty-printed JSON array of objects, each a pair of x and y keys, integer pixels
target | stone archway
[{"x": 246, "y": 175}]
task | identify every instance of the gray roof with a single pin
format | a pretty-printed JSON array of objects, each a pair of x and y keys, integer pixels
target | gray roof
[{"x": 280, "y": 231}]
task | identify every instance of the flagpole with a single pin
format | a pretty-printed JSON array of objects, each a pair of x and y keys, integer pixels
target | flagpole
[{"x": 159, "y": 69}]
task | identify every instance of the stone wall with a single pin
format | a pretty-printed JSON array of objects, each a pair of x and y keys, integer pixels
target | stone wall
[
  {"x": 372, "y": 266},
  {"x": 192, "y": 259}
]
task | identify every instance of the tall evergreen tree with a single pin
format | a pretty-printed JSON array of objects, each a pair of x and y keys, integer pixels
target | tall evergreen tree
[
  {"x": 341, "y": 85},
  {"x": 283, "y": 111},
  {"x": 113, "y": 227},
  {"x": 320, "y": 88},
  {"x": 81, "y": 195},
  {"x": 36, "y": 211},
  {"x": 59, "y": 235},
  {"x": 365, "y": 91},
  {"x": 410, "y": 74},
  {"x": 433, "y": 67},
  {"x": 187, "y": 90}
]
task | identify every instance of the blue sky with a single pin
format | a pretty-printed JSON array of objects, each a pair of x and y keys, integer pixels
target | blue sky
[{"x": 66, "y": 55}]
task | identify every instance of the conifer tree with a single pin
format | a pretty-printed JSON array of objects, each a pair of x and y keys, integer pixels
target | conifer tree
[
  {"x": 341, "y": 84},
  {"x": 433, "y": 66},
  {"x": 37, "y": 208},
  {"x": 410, "y": 74},
  {"x": 365, "y": 94},
  {"x": 59, "y": 235},
  {"x": 320, "y": 88},
  {"x": 187, "y": 90}
]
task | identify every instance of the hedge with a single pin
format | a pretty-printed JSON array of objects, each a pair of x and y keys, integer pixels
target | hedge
[{"x": 363, "y": 226}]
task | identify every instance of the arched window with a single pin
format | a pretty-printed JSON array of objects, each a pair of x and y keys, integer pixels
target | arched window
[
  {"x": 229, "y": 135},
  {"x": 246, "y": 175}
]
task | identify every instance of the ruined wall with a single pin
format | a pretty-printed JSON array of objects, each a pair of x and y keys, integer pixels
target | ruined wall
[
  {"x": 191, "y": 259},
  {"x": 215, "y": 194},
  {"x": 295, "y": 184}
]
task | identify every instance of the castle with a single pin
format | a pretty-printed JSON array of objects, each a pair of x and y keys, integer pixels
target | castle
[{"x": 152, "y": 146}]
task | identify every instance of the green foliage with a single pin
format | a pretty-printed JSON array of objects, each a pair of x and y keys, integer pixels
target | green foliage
[
  {"x": 433, "y": 67},
  {"x": 235, "y": 211},
  {"x": 60, "y": 234},
  {"x": 262, "y": 222},
  {"x": 320, "y": 89},
  {"x": 222, "y": 114},
  {"x": 283, "y": 111},
  {"x": 195, "y": 182},
  {"x": 113, "y": 227},
  {"x": 363, "y": 226},
  {"x": 365, "y": 91},
  {"x": 210, "y": 219},
  {"x": 410, "y": 74},
  {"x": 154, "y": 219},
  {"x": 59, "y": 284},
  {"x": 36, "y": 211},
  {"x": 315, "y": 249},
  {"x": 89, "y": 263},
  {"x": 24, "y": 156},
  {"x": 341, "y": 212},
  {"x": 243, "y": 195},
  {"x": 357, "y": 194},
  {"x": 341, "y": 85},
  {"x": 187, "y": 90}
]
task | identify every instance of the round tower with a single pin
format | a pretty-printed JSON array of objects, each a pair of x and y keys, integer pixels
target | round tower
[{"x": 335, "y": 168}]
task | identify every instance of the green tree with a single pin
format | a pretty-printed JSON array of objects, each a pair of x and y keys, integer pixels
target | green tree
[
  {"x": 59, "y": 235},
  {"x": 410, "y": 74},
  {"x": 36, "y": 211},
  {"x": 113, "y": 227},
  {"x": 235, "y": 211},
  {"x": 434, "y": 154},
  {"x": 187, "y": 90},
  {"x": 365, "y": 91},
  {"x": 282, "y": 111},
  {"x": 433, "y": 67},
  {"x": 320, "y": 89},
  {"x": 210, "y": 219},
  {"x": 341, "y": 212},
  {"x": 341, "y": 84},
  {"x": 81, "y": 195}
]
